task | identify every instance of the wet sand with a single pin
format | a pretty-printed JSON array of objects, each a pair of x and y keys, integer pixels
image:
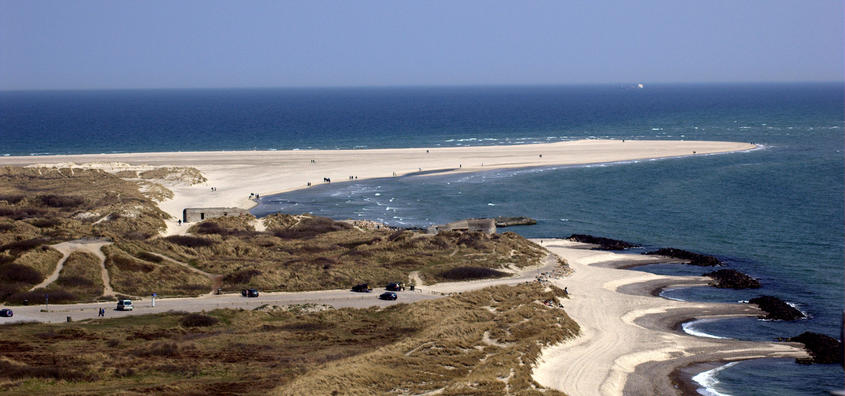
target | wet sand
[{"x": 632, "y": 341}]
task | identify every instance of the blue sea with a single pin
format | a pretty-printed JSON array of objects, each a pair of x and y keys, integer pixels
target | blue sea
[{"x": 775, "y": 213}]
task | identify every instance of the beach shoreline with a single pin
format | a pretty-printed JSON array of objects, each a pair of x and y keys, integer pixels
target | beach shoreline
[
  {"x": 235, "y": 175},
  {"x": 634, "y": 344}
]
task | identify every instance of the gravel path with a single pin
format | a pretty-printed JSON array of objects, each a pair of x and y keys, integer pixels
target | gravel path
[{"x": 92, "y": 246}]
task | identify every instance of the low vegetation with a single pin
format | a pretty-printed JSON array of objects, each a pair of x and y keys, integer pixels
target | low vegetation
[
  {"x": 55, "y": 205},
  {"x": 44, "y": 206},
  {"x": 140, "y": 275},
  {"x": 79, "y": 281},
  {"x": 80, "y": 276},
  {"x": 305, "y": 252},
  {"x": 469, "y": 273},
  {"x": 481, "y": 342}
]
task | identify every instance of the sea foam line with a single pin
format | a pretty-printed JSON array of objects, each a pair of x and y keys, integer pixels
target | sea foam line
[
  {"x": 689, "y": 328},
  {"x": 708, "y": 380}
]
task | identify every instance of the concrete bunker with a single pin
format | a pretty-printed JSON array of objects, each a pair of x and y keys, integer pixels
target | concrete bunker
[
  {"x": 190, "y": 215},
  {"x": 482, "y": 225}
]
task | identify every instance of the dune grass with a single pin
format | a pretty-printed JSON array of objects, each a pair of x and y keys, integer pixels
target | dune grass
[
  {"x": 305, "y": 252},
  {"x": 146, "y": 274},
  {"x": 43, "y": 206},
  {"x": 481, "y": 342}
]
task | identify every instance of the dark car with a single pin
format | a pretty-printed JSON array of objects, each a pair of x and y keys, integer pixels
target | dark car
[
  {"x": 387, "y": 296},
  {"x": 249, "y": 292},
  {"x": 7, "y": 313},
  {"x": 362, "y": 288},
  {"x": 395, "y": 286}
]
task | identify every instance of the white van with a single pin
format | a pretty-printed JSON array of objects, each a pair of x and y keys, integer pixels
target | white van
[{"x": 124, "y": 305}]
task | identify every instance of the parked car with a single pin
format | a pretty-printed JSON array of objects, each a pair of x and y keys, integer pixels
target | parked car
[
  {"x": 124, "y": 305},
  {"x": 6, "y": 313},
  {"x": 362, "y": 288},
  {"x": 395, "y": 286},
  {"x": 387, "y": 296},
  {"x": 249, "y": 292}
]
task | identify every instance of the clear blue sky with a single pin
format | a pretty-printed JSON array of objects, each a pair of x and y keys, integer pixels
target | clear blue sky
[{"x": 171, "y": 44}]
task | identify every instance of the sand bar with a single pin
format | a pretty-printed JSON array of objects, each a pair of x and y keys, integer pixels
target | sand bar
[
  {"x": 630, "y": 342},
  {"x": 236, "y": 174}
]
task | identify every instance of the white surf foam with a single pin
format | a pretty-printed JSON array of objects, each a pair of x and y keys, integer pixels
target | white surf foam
[
  {"x": 689, "y": 328},
  {"x": 708, "y": 380}
]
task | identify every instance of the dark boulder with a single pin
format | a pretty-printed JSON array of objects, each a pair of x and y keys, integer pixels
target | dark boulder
[
  {"x": 604, "y": 243},
  {"x": 694, "y": 258},
  {"x": 822, "y": 348},
  {"x": 776, "y": 308},
  {"x": 732, "y": 279},
  {"x": 502, "y": 221}
]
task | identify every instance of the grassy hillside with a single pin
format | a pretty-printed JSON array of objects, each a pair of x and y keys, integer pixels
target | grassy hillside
[
  {"x": 44, "y": 206},
  {"x": 482, "y": 342}
]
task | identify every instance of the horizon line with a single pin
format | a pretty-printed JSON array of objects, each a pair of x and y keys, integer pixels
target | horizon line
[{"x": 492, "y": 85}]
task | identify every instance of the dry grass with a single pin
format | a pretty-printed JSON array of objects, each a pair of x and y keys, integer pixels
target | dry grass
[
  {"x": 178, "y": 175},
  {"x": 78, "y": 281},
  {"x": 20, "y": 273},
  {"x": 65, "y": 204},
  {"x": 311, "y": 253},
  {"x": 483, "y": 342},
  {"x": 138, "y": 277},
  {"x": 43, "y": 259},
  {"x": 80, "y": 276},
  {"x": 40, "y": 206}
]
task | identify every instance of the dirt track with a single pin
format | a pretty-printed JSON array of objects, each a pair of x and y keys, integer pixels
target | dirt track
[{"x": 92, "y": 246}]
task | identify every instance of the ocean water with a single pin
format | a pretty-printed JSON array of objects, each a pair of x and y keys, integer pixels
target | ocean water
[{"x": 775, "y": 213}]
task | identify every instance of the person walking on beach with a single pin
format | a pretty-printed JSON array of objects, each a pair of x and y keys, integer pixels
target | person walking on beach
[{"x": 102, "y": 312}]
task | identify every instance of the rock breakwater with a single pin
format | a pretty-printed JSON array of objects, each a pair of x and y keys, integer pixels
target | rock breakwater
[
  {"x": 694, "y": 258},
  {"x": 732, "y": 279}
]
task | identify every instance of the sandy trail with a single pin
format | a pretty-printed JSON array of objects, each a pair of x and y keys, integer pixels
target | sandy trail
[
  {"x": 92, "y": 246},
  {"x": 624, "y": 328}
]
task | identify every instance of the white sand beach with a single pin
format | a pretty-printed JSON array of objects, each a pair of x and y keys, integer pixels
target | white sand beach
[
  {"x": 237, "y": 174},
  {"x": 630, "y": 342}
]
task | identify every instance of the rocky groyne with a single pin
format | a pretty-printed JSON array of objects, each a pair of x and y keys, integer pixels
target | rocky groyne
[
  {"x": 822, "y": 348},
  {"x": 502, "y": 221},
  {"x": 732, "y": 279},
  {"x": 694, "y": 258},
  {"x": 604, "y": 243},
  {"x": 776, "y": 309}
]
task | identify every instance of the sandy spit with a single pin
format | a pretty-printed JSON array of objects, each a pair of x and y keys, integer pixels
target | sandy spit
[{"x": 237, "y": 174}]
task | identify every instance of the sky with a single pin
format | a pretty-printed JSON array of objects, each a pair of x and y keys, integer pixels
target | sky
[{"x": 206, "y": 44}]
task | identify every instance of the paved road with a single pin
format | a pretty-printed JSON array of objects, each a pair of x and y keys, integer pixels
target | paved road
[
  {"x": 336, "y": 298},
  {"x": 56, "y": 313}
]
